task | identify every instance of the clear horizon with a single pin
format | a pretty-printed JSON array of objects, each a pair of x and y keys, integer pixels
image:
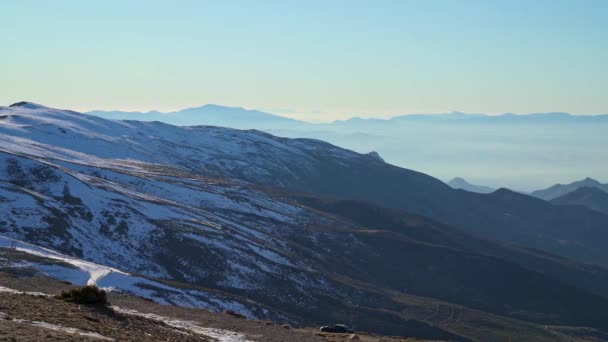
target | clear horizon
[{"x": 314, "y": 61}]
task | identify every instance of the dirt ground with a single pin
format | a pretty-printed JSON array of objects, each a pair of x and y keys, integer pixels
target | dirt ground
[{"x": 26, "y": 317}]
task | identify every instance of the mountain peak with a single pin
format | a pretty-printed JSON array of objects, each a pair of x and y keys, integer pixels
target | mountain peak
[
  {"x": 458, "y": 180},
  {"x": 27, "y": 105},
  {"x": 375, "y": 155},
  {"x": 461, "y": 183},
  {"x": 218, "y": 107},
  {"x": 558, "y": 190}
]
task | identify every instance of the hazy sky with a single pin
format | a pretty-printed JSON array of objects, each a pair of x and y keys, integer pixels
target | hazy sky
[{"x": 318, "y": 60}]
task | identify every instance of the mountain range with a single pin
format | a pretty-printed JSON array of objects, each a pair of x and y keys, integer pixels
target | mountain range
[
  {"x": 293, "y": 230},
  {"x": 210, "y": 114},
  {"x": 213, "y": 114},
  {"x": 478, "y": 146},
  {"x": 558, "y": 190},
  {"x": 587, "y": 192}
]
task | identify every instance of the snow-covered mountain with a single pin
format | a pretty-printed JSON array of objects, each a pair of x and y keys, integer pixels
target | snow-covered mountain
[
  {"x": 212, "y": 151},
  {"x": 170, "y": 210},
  {"x": 211, "y": 216},
  {"x": 443, "y": 144},
  {"x": 125, "y": 194}
]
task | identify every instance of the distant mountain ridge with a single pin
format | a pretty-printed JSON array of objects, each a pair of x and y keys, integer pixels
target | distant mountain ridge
[
  {"x": 460, "y": 183},
  {"x": 558, "y": 190},
  {"x": 468, "y": 118},
  {"x": 211, "y": 115},
  {"x": 590, "y": 197},
  {"x": 457, "y": 143}
]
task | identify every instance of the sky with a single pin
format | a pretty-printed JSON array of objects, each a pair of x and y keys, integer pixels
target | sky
[{"x": 312, "y": 60}]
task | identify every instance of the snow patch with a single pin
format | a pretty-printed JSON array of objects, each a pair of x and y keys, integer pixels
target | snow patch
[
  {"x": 13, "y": 291},
  {"x": 95, "y": 271}
]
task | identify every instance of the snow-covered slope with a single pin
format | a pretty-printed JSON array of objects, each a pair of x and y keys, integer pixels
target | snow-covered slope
[
  {"x": 155, "y": 199},
  {"x": 35, "y": 130},
  {"x": 189, "y": 216},
  {"x": 81, "y": 272}
]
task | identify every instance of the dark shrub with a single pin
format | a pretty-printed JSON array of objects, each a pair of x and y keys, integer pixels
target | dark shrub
[
  {"x": 89, "y": 295},
  {"x": 235, "y": 314}
]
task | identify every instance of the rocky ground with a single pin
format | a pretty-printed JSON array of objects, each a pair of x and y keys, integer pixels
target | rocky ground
[{"x": 29, "y": 312}]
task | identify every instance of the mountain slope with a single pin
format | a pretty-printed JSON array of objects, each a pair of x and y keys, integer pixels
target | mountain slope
[
  {"x": 460, "y": 183},
  {"x": 504, "y": 214},
  {"x": 181, "y": 246},
  {"x": 590, "y": 197},
  {"x": 193, "y": 206},
  {"x": 562, "y": 189},
  {"x": 309, "y": 166},
  {"x": 419, "y": 228},
  {"x": 28, "y": 315}
]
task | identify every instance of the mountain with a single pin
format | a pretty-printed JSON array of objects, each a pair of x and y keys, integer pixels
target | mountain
[
  {"x": 375, "y": 155},
  {"x": 210, "y": 114},
  {"x": 446, "y": 144},
  {"x": 468, "y": 118},
  {"x": 590, "y": 197},
  {"x": 241, "y": 220},
  {"x": 29, "y": 310},
  {"x": 481, "y": 146},
  {"x": 562, "y": 189},
  {"x": 326, "y": 170},
  {"x": 460, "y": 183},
  {"x": 213, "y": 114}
]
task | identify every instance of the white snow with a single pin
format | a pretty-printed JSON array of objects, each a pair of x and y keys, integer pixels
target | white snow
[
  {"x": 12, "y": 291},
  {"x": 51, "y": 133},
  {"x": 95, "y": 271},
  {"x": 70, "y": 274},
  {"x": 111, "y": 279}
]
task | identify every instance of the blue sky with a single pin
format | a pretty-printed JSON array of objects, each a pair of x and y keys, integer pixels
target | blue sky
[{"x": 317, "y": 60}]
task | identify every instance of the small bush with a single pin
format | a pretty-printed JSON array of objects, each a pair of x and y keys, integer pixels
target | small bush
[
  {"x": 88, "y": 295},
  {"x": 235, "y": 314}
]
